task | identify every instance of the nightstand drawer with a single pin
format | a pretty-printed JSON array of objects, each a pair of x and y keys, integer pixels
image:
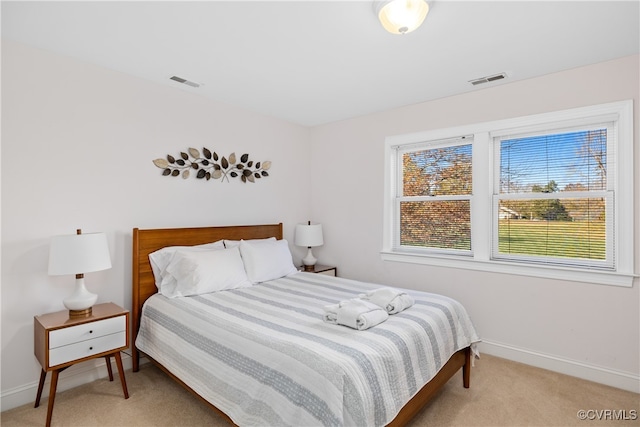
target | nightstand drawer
[
  {"x": 87, "y": 348},
  {"x": 327, "y": 270},
  {"x": 331, "y": 272},
  {"x": 86, "y": 331}
]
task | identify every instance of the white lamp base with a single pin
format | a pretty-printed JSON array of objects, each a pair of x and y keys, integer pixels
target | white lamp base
[
  {"x": 81, "y": 300},
  {"x": 309, "y": 261}
]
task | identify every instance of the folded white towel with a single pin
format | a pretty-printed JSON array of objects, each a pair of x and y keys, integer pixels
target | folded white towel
[
  {"x": 392, "y": 300},
  {"x": 355, "y": 313},
  {"x": 331, "y": 313}
]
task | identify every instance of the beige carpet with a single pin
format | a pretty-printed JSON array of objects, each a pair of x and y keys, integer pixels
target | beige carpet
[{"x": 502, "y": 393}]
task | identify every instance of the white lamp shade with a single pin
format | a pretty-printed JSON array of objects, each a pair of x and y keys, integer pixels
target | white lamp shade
[
  {"x": 78, "y": 254},
  {"x": 402, "y": 16},
  {"x": 308, "y": 235}
]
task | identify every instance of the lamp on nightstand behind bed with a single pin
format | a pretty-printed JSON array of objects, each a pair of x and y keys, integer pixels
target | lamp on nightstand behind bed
[
  {"x": 309, "y": 235},
  {"x": 78, "y": 254}
]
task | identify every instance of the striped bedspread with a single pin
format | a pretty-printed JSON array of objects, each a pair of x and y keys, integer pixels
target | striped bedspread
[{"x": 264, "y": 356}]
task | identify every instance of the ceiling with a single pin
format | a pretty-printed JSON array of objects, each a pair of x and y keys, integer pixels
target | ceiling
[{"x": 316, "y": 62}]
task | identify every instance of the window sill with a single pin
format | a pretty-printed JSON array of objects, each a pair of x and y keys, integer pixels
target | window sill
[{"x": 547, "y": 272}]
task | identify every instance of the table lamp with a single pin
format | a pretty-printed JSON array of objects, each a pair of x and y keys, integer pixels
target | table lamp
[
  {"x": 309, "y": 235},
  {"x": 78, "y": 254}
]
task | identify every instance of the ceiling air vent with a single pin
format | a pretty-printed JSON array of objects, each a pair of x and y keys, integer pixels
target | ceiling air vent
[
  {"x": 488, "y": 79},
  {"x": 184, "y": 81}
]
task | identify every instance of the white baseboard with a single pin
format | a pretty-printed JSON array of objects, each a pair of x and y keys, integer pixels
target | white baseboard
[
  {"x": 74, "y": 376},
  {"x": 611, "y": 377}
]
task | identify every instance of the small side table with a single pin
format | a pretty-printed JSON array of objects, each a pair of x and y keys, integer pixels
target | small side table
[
  {"x": 322, "y": 269},
  {"x": 61, "y": 341}
]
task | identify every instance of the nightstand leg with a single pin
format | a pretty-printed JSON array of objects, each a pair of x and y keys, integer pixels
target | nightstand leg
[
  {"x": 121, "y": 372},
  {"x": 52, "y": 396},
  {"x": 108, "y": 359},
  {"x": 43, "y": 376}
]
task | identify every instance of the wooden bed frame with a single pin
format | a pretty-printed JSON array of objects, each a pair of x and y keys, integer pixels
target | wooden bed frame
[{"x": 143, "y": 286}]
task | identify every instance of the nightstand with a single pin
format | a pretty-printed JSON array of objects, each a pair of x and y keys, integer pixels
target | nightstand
[
  {"x": 61, "y": 341},
  {"x": 322, "y": 269}
]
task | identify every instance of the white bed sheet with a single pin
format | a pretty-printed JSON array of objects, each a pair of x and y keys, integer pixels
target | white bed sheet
[{"x": 264, "y": 356}]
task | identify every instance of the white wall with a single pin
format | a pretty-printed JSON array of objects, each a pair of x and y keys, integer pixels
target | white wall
[
  {"x": 582, "y": 329},
  {"x": 77, "y": 148}
]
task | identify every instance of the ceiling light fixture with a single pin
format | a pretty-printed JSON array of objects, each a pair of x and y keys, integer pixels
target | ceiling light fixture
[{"x": 401, "y": 16}]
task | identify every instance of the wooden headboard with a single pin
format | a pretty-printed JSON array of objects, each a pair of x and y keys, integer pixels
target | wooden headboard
[{"x": 150, "y": 240}]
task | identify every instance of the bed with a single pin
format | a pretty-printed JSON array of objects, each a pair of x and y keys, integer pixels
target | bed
[{"x": 263, "y": 356}]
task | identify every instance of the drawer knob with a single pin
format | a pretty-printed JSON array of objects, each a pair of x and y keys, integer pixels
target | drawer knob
[
  {"x": 91, "y": 331},
  {"x": 90, "y": 348}
]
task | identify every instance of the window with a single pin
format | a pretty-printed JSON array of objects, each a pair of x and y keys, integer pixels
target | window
[
  {"x": 552, "y": 201},
  {"x": 547, "y": 195},
  {"x": 434, "y": 196}
]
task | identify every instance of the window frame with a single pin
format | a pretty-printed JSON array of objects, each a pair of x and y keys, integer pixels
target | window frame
[
  {"x": 606, "y": 193},
  {"x": 482, "y": 199},
  {"x": 401, "y": 197}
]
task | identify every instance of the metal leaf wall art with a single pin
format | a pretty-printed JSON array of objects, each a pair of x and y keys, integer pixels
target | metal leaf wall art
[{"x": 210, "y": 165}]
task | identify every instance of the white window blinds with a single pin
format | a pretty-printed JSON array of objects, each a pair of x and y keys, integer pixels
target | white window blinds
[
  {"x": 553, "y": 203},
  {"x": 434, "y": 200}
]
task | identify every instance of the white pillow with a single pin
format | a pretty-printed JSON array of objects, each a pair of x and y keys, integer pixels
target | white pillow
[
  {"x": 266, "y": 260},
  {"x": 161, "y": 258},
  {"x": 233, "y": 243},
  {"x": 201, "y": 272}
]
